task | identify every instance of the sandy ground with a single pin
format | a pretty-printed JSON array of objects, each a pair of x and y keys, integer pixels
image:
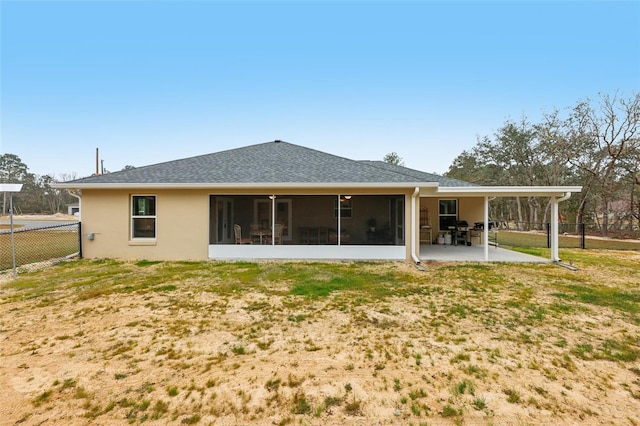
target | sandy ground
[
  {"x": 462, "y": 353},
  {"x": 40, "y": 217}
]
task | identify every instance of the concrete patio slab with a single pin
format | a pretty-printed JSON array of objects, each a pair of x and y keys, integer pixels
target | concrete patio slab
[{"x": 474, "y": 253}]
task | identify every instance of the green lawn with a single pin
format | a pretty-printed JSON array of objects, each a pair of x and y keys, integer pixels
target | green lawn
[{"x": 539, "y": 240}]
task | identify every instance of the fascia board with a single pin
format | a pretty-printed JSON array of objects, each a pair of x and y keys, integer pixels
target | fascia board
[
  {"x": 509, "y": 191},
  {"x": 267, "y": 185}
]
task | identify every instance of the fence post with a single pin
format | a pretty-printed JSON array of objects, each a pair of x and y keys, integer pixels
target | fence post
[
  {"x": 583, "y": 239},
  {"x": 80, "y": 240},
  {"x": 548, "y": 225},
  {"x": 13, "y": 241}
]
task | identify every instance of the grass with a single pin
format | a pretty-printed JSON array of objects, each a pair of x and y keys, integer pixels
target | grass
[
  {"x": 95, "y": 278},
  {"x": 313, "y": 342},
  {"x": 352, "y": 277},
  {"x": 479, "y": 403},
  {"x": 601, "y": 295},
  {"x": 513, "y": 396},
  {"x": 539, "y": 240}
]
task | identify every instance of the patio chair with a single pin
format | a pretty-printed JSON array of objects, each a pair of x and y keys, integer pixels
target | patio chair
[
  {"x": 237, "y": 231},
  {"x": 255, "y": 232},
  {"x": 277, "y": 234}
]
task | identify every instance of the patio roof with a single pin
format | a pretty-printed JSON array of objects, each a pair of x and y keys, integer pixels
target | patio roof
[{"x": 507, "y": 191}]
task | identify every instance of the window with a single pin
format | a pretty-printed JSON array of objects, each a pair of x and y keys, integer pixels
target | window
[
  {"x": 346, "y": 207},
  {"x": 143, "y": 216},
  {"x": 447, "y": 214}
]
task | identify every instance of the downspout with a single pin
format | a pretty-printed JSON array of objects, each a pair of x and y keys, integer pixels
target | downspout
[
  {"x": 414, "y": 256},
  {"x": 79, "y": 197},
  {"x": 554, "y": 226}
]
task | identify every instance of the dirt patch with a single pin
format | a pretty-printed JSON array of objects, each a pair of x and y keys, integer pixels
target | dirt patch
[
  {"x": 41, "y": 217},
  {"x": 465, "y": 344}
]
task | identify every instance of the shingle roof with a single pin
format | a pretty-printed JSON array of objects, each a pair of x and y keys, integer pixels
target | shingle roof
[
  {"x": 419, "y": 176},
  {"x": 270, "y": 162}
]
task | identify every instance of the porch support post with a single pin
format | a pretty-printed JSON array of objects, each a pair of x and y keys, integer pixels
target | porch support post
[
  {"x": 273, "y": 220},
  {"x": 485, "y": 234},
  {"x": 414, "y": 227},
  {"x": 555, "y": 257},
  {"x": 339, "y": 220},
  {"x": 554, "y": 231}
]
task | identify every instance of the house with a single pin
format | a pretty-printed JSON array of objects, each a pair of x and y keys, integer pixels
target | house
[
  {"x": 73, "y": 209},
  {"x": 281, "y": 201}
]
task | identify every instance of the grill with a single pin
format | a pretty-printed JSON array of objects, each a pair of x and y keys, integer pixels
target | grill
[
  {"x": 461, "y": 233},
  {"x": 462, "y": 225}
]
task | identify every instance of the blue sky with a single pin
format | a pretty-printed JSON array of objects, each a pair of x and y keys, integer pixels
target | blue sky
[{"x": 152, "y": 81}]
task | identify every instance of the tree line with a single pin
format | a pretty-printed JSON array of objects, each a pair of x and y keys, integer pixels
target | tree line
[
  {"x": 37, "y": 195},
  {"x": 594, "y": 144}
]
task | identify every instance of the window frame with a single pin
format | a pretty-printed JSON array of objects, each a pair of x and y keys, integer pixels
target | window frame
[
  {"x": 447, "y": 215},
  {"x": 134, "y": 217}
]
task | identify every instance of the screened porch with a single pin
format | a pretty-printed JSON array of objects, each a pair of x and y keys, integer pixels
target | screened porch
[
  {"x": 307, "y": 219},
  {"x": 307, "y": 226}
]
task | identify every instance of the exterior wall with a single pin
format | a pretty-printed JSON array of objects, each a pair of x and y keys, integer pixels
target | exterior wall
[
  {"x": 183, "y": 222},
  {"x": 470, "y": 209}
]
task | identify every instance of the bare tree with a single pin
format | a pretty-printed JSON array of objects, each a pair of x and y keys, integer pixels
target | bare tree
[
  {"x": 53, "y": 197},
  {"x": 602, "y": 139}
]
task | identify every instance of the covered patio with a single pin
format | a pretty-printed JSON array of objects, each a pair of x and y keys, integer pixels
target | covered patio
[
  {"x": 473, "y": 253},
  {"x": 471, "y": 205}
]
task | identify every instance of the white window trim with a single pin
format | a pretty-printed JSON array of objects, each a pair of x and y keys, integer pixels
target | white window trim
[
  {"x": 132, "y": 217},
  {"x": 440, "y": 215}
]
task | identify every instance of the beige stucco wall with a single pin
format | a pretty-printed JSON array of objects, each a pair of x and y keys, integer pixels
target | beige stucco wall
[
  {"x": 470, "y": 209},
  {"x": 182, "y": 224}
]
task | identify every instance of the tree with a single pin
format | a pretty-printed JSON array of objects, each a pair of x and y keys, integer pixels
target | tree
[
  {"x": 12, "y": 170},
  {"x": 29, "y": 199},
  {"x": 393, "y": 158},
  {"x": 603, "y": 138},
  {"x": 513, "y": 157},
  {"x": 54, "y": 197},
  {"x": 596, "y": 146}
]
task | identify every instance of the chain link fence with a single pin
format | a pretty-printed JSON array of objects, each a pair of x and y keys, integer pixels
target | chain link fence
[
  {"x": 570, "y": 235},
  {"x": 35, "y": 247}
]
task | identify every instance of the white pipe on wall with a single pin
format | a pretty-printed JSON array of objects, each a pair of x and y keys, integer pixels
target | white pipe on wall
[
  {"x": 79, "y": 197},
  {"x": 413, "y": 228}
]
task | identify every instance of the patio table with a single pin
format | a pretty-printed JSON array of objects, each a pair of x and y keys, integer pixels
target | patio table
[{"x": 260, "y": 233}]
